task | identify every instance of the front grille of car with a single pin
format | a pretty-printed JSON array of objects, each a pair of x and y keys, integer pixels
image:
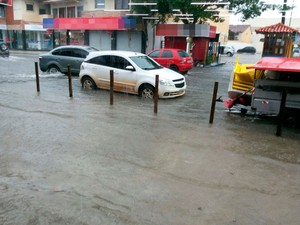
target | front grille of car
[
  {"x": 181, "y": 79},
  {"x": 180, "y": 85},
  {"x": 175, "y": 93}
]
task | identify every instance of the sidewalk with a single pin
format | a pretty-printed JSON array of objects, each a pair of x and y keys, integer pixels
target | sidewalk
[{"x": 23, "y": 52}]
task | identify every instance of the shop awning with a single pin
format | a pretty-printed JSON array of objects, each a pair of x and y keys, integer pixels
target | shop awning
[
  {"x": 277, "y": 64},
  {"x": 276, "y": 28}
]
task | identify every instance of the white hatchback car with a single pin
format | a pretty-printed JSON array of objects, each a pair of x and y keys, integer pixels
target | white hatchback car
[{"x": 133, "y": 73}]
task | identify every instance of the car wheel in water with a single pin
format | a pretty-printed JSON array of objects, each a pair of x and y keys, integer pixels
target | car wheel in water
[
  {"x": 174, "y": 67},
  {"x": 88, "y": 83},
  {"x": 229, "y": 54},
  {"x": 3, "y": 47},
  {"x": 53, "y": 69},
  {"x": 147, "y": 91}
]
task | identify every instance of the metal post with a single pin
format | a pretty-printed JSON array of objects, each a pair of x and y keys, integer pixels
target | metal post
[
  {"x": 37, "y": 77},
  {"x": 70, "y": 81},
  {"x": 213, "y": 103},
  {"x": 281, "y": 112},
  {"x": 111, "y": 87},
  {"x": 156, "y": 94}
]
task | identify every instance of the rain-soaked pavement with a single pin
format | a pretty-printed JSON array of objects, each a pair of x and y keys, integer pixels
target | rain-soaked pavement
[{"x": 81, "y": 161}]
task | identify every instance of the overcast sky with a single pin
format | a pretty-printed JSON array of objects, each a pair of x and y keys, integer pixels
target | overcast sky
[{"x": 295, "y": 13}]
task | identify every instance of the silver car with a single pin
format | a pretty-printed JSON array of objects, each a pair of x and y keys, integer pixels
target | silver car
[
  {"x": 134, "y": 73},
  {"x": 58, "y": 59},
  {"x": 228, "y": 50}
]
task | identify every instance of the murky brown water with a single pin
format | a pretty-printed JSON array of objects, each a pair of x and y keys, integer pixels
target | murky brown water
[{"x": 81, "y": 161}]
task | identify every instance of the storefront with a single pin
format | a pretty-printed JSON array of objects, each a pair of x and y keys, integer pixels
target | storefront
[
  {"x": 3, "y": 29},
  {"x": 104, "y": 33},
  {"x": 27, "y": 37}
]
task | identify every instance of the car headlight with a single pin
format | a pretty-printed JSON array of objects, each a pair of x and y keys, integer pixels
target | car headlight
[{"x": 166, "y": 82}]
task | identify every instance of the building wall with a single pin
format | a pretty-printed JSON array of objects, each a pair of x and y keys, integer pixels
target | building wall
[
  {"x": 246, "y": 36},
  {"x": 222, "y": 27},
  {"x": 20, "y": 12}
]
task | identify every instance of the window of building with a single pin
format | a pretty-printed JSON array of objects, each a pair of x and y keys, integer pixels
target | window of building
[
  {"x": 79, "y": 11},
  {"x": 2, "y": 11},
  {"x": 121, "y": 4},
  {"x": 55, "y": 13},
  {"x": 99, "y": 4},
  {"x": 29, "y": 7},
  {"x": 71, "y": 12},
  {"x": 62, "y": 12},
  {"x": 42, "y": 11}
]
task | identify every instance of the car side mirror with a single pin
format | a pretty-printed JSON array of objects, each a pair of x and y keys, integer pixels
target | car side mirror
[{"x": 130, "y": 68}]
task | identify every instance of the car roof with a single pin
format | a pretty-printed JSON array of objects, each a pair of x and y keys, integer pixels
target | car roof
[
  {"x": 73, "y": 46},
  {"x": 114, "y": 52},
  {"x": 174, "y": 49}
]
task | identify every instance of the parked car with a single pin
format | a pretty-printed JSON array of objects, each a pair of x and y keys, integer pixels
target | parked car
[
  {"x": 227, "y": 49},
  {"x": 175, "y": 59},
  {"x": 4, "y": 49},
  {"x": 58, "y": 59},
  {"x": 134, "y": 73},
  {"x": 248, "y": 49}
]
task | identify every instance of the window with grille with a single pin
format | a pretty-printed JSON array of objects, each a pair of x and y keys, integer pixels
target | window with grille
[{"x": 29, "y": 7}]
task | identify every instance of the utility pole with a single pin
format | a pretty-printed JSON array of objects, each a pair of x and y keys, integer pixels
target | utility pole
[
  {"x": 292, "y": 12},
  {"x": 283, "y": 12}
]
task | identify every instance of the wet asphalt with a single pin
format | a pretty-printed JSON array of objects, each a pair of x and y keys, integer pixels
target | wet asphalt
[{"x": 79, "y": 160}]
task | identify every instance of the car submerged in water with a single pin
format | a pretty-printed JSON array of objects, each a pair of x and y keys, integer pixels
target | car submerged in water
[
  {"x": 134, "y": 73},
  {"x": 58, "y": 59}
]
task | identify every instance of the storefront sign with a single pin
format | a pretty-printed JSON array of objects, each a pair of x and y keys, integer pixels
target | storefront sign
[
  {"x": 185, "y": 30},
  {"x": 3, "y": 27},
  {"x": 100, "y": 23},
  {"x": 35, "y": 27}
]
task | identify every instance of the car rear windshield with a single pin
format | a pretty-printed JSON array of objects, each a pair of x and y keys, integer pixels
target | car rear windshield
[
  {"x": 183, "y": 54},
  {"x": 145, "y": 63}
]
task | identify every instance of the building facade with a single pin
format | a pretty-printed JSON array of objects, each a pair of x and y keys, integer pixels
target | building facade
[{"x": 45, "y": 24}]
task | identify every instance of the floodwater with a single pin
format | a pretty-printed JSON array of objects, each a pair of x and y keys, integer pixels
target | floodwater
[{"x": 82, "y": 161}]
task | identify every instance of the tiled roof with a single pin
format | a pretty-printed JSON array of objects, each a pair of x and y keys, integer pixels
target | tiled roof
[
  {"x": 237, "y": 29},
  {"x": 277, "y": 28}
]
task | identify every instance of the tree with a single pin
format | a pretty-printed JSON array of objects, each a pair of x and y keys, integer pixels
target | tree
[{"x": 188, "y": 12}]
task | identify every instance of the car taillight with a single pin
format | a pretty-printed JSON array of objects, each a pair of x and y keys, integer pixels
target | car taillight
[{"x": 183, "y": 61}]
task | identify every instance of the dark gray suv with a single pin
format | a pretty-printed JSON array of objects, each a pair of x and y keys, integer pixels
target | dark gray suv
[{"x": 58, "y": 59}]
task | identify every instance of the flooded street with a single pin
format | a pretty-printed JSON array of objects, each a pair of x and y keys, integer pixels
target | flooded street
[{"x": 81, "y": 161}]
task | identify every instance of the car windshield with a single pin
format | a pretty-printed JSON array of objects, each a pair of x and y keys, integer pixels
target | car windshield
[{"x": 145, "y": 63}]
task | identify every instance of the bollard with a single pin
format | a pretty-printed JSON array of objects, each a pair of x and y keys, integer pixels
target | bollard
[
  {"x": 111, "y": 87},
  {"x": 156, "y": 94},
  {"x": 213, "y": 103},
  {"x": 37, "y": 77},
  {"x": 70, "y": 81},
  {"x": 281, "y": 112}
]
